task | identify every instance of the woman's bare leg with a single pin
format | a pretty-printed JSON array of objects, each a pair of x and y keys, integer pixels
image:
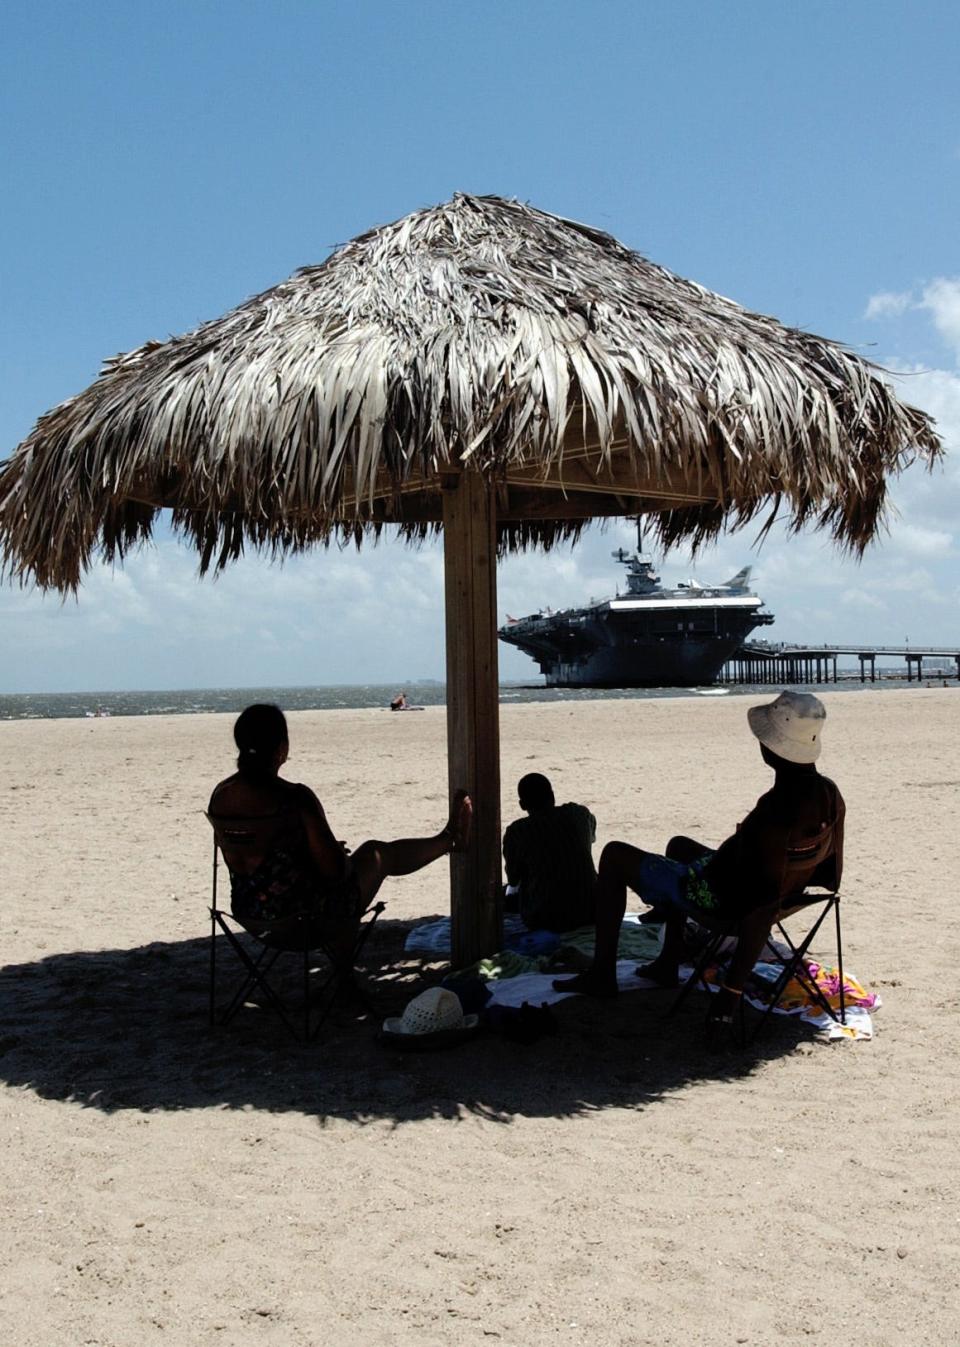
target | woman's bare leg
[{"x": 375, "y": 861}]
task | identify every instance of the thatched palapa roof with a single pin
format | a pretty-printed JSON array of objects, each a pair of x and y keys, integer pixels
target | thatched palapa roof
[{"x": 482, "y": 334}]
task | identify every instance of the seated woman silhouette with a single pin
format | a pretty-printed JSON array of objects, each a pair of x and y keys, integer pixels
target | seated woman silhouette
[{"x": 296, "y": 867}]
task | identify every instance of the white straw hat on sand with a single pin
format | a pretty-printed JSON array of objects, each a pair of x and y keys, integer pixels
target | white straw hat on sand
[
  {"x": 430, "y": 1019},
  {"x": 790, "y": 726}
]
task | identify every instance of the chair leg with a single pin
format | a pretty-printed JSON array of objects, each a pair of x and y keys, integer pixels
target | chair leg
[
  {"x": 213, "y": 966},
  {"x": 256, "y": 976},
  {"x": 339, "y": 969},
  {"x": 794, "y": 967},
  {"x": 258, "y": 968},
  {"x": 707, "y": 956},
  {"x": 363, "y": 934},
  {"x": 306, "y": 996},
  {"x": 798, "y": 968},
  {"x": 843, "y": 1001}
]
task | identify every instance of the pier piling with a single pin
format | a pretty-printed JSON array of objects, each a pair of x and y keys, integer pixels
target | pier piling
[{"x": 762, "y": 662}]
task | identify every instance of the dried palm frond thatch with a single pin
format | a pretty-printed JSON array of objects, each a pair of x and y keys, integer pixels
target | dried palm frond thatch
[{"x": 478, "y": 335}]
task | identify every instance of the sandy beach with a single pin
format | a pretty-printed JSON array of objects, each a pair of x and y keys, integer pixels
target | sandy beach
[{"x": 615, "y": 1184}]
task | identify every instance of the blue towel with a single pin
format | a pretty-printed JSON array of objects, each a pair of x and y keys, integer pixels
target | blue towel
[{"x": 531, "y": 943}]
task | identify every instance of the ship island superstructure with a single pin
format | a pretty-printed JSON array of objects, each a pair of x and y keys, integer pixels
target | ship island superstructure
[{"x": 647, "y": 637}]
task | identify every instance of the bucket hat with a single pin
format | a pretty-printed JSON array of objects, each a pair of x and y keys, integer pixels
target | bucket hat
[
  {"x": 431, "y": 1020},
  {"x": 791, "y": 726}
]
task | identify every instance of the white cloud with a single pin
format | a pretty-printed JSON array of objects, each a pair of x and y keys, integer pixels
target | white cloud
[
  {"x": 861, "y": 598},
  {"x": 320, "y": 618},
  {"x": 888, "y": 304},
  {"x": 919, "y": 541},
  {"x": 939, "y": 297},
  {"x": 942, "y": 298},
  {"x": 916, "y": 581},
  {"x": 936, "y": 390}
]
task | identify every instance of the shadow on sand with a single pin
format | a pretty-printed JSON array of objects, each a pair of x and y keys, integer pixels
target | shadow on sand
[{"x": 127, "y": 1029}]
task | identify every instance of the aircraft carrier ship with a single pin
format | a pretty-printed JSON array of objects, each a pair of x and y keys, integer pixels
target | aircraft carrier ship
[{"x": 647, "y": 637}]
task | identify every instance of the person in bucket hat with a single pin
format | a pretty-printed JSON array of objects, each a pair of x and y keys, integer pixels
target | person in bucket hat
[
  {"x": 790, "y": 727},
  {"x": 745, "y": 876}
]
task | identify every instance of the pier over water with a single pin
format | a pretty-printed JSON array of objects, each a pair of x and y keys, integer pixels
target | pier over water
[{"x": 780, "y": 662}]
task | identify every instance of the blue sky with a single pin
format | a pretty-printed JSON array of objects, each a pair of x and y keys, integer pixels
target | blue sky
[{"x": 161, "y": 163}]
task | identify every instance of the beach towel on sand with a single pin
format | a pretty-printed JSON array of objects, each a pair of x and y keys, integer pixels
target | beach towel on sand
[
  {"x": 513, "y": 978},
  {"x": 433, "y": 937},
  {"x": 538, "y": 989},
  {"x": 636, "y": 941}
]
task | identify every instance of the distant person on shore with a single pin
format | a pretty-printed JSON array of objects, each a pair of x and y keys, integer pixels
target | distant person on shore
[
  {"x": 802, "y": 817},
  {"x": 549, "y": 860},
  {"x": 304, "y": 869},
  {"x": 399, "y": 702}
]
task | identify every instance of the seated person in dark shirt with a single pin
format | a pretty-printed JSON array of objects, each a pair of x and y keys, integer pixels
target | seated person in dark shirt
[
  {"x": 791, "y": 839},
  {"x": 298, "y": 868},
  {"x": 548, "y": 858}
]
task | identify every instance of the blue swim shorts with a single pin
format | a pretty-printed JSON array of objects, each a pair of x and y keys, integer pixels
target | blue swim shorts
[{"x": 674, "y": 885}]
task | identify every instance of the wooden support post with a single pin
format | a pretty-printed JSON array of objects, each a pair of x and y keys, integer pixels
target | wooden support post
[{"x": 473, "y": 708}]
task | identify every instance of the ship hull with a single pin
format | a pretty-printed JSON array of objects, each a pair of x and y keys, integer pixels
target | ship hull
[
  {"x": 647, "y": 664},
  {"x": 601, "y": 648}
]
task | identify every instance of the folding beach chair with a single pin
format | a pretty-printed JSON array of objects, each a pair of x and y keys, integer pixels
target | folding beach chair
[
  {"x": 258, "y": 948},
  {"x": 790, "y": 955}
]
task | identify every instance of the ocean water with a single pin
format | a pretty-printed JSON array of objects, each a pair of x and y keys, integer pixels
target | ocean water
[{"x": 194, "y": 701}]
